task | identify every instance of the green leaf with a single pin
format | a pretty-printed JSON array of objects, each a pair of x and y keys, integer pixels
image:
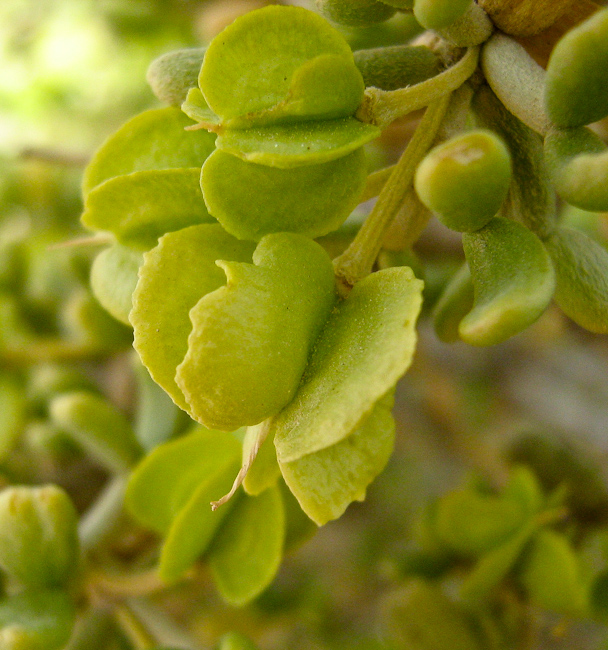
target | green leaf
[
  {"x": 40, "y": 620},
  {"x": 114, "y": 278},
  {"x": 195, "y": 107},
  {"x": 38, "y": 536},
  {"x": 235, "y": 641},
  {"x": 293, "y": 145},
  {"x": 523, "y": 487},
  {"x": 438, "y": 14},
  {"x": 248, "y": 548},
  {"x": 265, "y": 471},
  {"x": 356, "y": 13},
  {"x": 164, "y": 483},
  {"x": 421, "y": 617},
  {"x": 577, "y": 160},
  {"x": 154, "y": 139},
  {"x": 513, "y": 279},
  {"x": 173, "y": 74},
  {"x": 471, "y": 524},
  {"x": 251, "y": 200},
  {"x": 162, "y": 327},
  {"x": 269, "y": 61},
  {"x": 251, "y": 339},
  {"x": 12, "y": 412},
  {"x": 139, "y": 208},
  {"x": 365, "y": 347},
  {"x": 327, "y": 481},
  {"x": 99, "y": 427},
  {"x": 552, "y": 576},
  {"x": 495, "y": 564},
  {"x": 581, "y": 267},
  {"x": 455, "y": 302},
  {"x": 576, "y": 92},
  {"x": 465, "y": 180}
]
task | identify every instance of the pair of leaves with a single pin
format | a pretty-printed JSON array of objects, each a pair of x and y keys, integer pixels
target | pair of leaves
[
  {"x": 231, "y": 355},
  {"x": 242, "y": 542},
  {"x": 512, "y": 281}
]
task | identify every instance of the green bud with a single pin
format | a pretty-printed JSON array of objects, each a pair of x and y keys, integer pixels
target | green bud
[
  {"x": 421, "y": 617},
  {"x": 40, "y": 620},
  {"x": 465, "y": 180},
  {"x": 576, "y": 92},
  {"x": 355, "y": 13},
  {"x": 552, "y": 576},
  {"x": 438, "y": 14},
  {"x": 38, "y": 535},
  {"x": 235, "y": 641},
  {"x": 173, "y": 74}
]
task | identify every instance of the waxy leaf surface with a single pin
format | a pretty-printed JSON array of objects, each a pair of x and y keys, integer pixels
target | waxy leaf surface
[
  {"x": 513, "y": 279},
  {"x": 268, "y": 62},
  {"x": 293, "y": 145},
  {"x": 248, "y": 548},
  {"x": 114, "y": 278},
  {"x": 173, "y": 278},
  {"x": 153, "y": 139},
  {"x": 251, "y": 339},
  {"x": 139, "y": 208},
  {"x": 251, "y": 200},
  {"x": 325, "y": 482},
  {"x": 366, "y": 345}
]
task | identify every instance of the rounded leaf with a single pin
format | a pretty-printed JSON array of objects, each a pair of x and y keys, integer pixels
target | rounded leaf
[
  {"x": 251, "y": 201},
  {"x": 576, "y": 92},
  {"x": 513, "y": 281},
  {"x": 173, "y": 74},
  {"x": 465, "y": 180},
  {"x": 161, "y": 327},
  {"x": 438, "y": 14},
  {"x": 114, "y": 278},
  {"x": 251, "y": 339},
  {"x": 38, "y": 535},
  {"x": 265, "y": 62},
  {"x": 154, "y": 139}
]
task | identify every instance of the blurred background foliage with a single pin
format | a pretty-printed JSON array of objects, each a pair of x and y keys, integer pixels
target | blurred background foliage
[{"x": 71, "y": 71}]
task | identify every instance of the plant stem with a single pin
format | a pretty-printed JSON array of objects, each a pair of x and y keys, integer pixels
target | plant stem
[
  {"x": 121, "y": 586},
  {"x": 101, "y": 517},
  {"x": 135, "y": 630},
  {"x": 358, "y": 259},
  {"x": 381, "y": 107}
]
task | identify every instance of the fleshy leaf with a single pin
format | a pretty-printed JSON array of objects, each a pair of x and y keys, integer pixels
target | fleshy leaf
[
  {"x": 355, "y": 13},
  {"x": 455, "y": 302},
  {"x": 552, "y": 576},
  {"x": 251, "y": 339},
  {"x": 325, "y": 482},
  {"x": 40, "y": 620},
  {"x": 161, "y": 327},
  {"x": 293, "y": 145},
  {"x": 173, "y": 74},
  {"x": 114, "y": 278},
  {"x": 581, "y": 267},
  {"x": 251, "y": 200},
  {"x": 262, "y": 59},
  {"x": 139, "y": 208},
  {"x": 577, "y": 160},
  {"x": 195, "y": 107},
  {"x": 154, "y": 139},
  {"x": 576, "y": 92},
  {"x": 513, "y": 280},
  {"x": 366, "y": 345},
  {"x": 165, "y": 483},
  {"x": 248, "y": 548},
  {"x": 438, "y": 14},
  {"x": 99, "y": 427}
]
